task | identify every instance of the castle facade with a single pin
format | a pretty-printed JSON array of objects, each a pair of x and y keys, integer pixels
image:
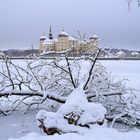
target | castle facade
[{"x": 64, "y": 42}]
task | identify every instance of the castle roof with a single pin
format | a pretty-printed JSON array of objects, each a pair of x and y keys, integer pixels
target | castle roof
[
  {"x": 62, "y": 34},
  {"x": 94, "y": 37},
  {"x": 83, "y": 42},
  {"x": 55, "y": 40},
  {"x": 73, "y": 38},
  {"x": 48, "y": 42},
  {"x": 43, "y": 37}
]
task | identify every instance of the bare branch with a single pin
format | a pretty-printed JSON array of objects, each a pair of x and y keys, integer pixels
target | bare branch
[
  {"x": 90, "y": 71},
  {"x": 33, "y": 94},
  {"x": 70, "y": 72}
]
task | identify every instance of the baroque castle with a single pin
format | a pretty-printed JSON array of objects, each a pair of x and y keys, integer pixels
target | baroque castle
[{"x": 52, "y": 47}]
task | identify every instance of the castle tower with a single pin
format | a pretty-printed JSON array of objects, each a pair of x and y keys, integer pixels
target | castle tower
[
  {"x": 50, "y": 34},
  {"x": 63, "y": 41},
  {"x": 94, "y": 40},
  {"x": 42, "y": 40},
  {"x": 93, "y": 43}
]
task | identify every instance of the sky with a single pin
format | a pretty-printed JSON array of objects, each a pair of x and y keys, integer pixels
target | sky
[{"x": 22, "y": 22}]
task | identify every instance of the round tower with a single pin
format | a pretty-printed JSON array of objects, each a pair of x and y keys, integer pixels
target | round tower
[
  {"x": 41, "y": 45},
  {"x": 63, "y": 41},
  {"x": 94, "y": 40}
]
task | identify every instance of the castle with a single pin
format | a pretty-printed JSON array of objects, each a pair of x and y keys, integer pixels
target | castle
[{"x": 64, "y": 42}]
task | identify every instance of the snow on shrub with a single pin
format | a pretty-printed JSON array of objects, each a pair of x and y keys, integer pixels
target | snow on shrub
[{"x": 72, "y": 115}]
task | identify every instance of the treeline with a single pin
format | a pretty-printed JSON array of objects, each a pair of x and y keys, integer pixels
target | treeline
[
  {"x": 114, "y": 51},
  {"x": 20, "y": 53},
  {"x": 35, "y": 52}
]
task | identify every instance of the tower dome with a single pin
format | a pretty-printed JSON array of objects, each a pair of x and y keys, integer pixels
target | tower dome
[
  {"x": 62, "y": 34},
  {"x": 43, "y": 37},
  {"x": 94, "y": 37}
]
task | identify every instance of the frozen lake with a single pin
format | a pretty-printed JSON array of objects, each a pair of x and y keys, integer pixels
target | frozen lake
[
  {"x": 125, "y": 69},
  {"x": 120, "y": 69}
]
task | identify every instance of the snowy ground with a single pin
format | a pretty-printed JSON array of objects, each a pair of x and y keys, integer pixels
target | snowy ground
[
  {"x": 96, "y": 133},
  {"x": 18, "y": 125}
]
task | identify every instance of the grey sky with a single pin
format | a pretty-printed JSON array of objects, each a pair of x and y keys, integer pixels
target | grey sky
[{"x": 23, "y": 21}]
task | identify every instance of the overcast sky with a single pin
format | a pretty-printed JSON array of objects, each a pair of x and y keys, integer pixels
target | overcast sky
[{"x": 22, "y": 22}]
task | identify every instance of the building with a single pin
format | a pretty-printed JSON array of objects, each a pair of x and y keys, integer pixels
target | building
[
  {"x": 121, "y": 54},
  {"x": 64, "y": 42},
  {"x": 135, "y": 54}
]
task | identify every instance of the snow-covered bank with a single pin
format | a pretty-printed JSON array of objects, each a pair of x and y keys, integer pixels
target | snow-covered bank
[
  {"x": 96, "y": 133},
  {"x": 19, "y": 125}
]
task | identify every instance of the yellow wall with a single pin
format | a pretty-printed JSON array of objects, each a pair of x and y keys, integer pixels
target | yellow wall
[{"x": 63, "y": 43}]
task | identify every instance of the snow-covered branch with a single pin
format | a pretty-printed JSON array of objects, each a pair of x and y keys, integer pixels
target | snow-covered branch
[
  {"x": 33, "y": 94},
  {"x": 39, "y": 81}
]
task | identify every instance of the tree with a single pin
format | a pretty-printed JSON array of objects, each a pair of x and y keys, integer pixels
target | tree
[
  {"x": 37, "y": 82},
  {"x": 130, "y": 1}
]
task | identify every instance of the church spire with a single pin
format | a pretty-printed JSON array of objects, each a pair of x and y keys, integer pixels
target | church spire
[
  {"x": 50, "y": 33},
  {"x": 62, "y": 28}
]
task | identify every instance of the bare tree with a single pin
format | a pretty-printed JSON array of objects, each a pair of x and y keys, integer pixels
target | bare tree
[
  {"x": 40, "y": 80},
  {"x": 130, "y": 2}
]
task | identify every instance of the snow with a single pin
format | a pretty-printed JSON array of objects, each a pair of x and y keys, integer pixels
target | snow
[
  {"x": 96, "y": 133},
  {"x": 120, "y": 53},
  {"x": 82, "y": 42},
  {"x": 125, "y": 69},
  {"x": 135, "y": 53},
  {"x": 76, "y": 104},
  {"x": 95, "y": 36},
  {"x": 73, "y": 38},
  {"x": 19, "y": 125},
  {"x": 1, "y": 54},
  {"x": 43, "y": 37},
  {"x": 77, "y": 97},
  {"x": 55, "y": 40},
  {"x": 63, "y": 33},
  {"x": 48, "y": 42}
]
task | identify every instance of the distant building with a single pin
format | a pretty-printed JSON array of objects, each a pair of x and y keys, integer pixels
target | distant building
[
  {"x": 135, "y": 54},
  {"x": 64, "y": 42},
  {"x": 2, "y": 54},
  {"x": 120, "y": 54}
]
